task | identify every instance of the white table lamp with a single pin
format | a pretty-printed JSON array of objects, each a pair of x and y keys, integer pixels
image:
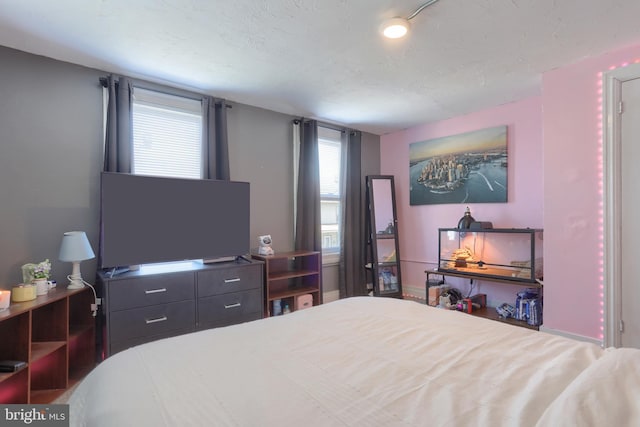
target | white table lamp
[{"x": 75, "y": 248}]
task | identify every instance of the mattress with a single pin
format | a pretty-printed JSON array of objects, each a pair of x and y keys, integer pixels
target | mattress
[{"x": 363, "y": 361}]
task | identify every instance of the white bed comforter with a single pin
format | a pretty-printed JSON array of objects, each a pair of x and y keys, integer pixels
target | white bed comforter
[{"x": 363, "y": 362}]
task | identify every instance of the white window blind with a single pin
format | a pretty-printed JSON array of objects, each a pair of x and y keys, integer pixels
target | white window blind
[
  {"x": 167, "y": 135},
  {"x": 329, "y": 155}
]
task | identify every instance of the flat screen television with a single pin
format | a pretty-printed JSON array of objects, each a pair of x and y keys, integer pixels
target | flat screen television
[{"x": 147, "y": 219}]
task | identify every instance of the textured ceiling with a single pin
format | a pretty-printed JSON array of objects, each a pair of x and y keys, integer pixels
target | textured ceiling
[{"x": 325, "y": 58}]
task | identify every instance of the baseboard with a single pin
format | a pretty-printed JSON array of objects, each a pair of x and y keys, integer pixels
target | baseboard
[
  {"x": 570, "y": 335},
  {"x": 415, "y": 292},
  {"x": 330, "y": 296}
]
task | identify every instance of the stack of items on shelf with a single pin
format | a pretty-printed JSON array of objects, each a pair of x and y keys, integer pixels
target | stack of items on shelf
[
  {"x": 528, "y": 307},
  {"x": 441, "y": 295},
  {"x": 387, "y": 281},
  {"x": 435, "y": 288}
]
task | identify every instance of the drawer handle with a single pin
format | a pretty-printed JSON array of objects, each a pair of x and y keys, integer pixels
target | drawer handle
[
  {"x": 233, "y": 305},
  {"x": 237, "y": 279},
  {"x": 155, "y": 291},
  {"x": 156, "y": 320}
]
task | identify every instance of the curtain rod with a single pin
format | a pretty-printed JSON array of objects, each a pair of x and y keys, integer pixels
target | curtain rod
[
  {"x": 328, "y": 125},
  {"x": 104, "y": 82}
]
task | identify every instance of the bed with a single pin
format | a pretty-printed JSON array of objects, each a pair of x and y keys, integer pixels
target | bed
[{"x": 363, "y": 361}]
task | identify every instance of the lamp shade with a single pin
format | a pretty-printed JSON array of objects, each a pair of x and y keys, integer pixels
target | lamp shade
[{"x": 75, "y": 247}]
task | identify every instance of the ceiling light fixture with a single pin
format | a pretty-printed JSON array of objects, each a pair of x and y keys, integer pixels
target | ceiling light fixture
[{"x": 397, "y": 27}]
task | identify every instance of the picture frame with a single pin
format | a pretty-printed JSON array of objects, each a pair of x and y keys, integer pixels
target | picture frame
[{"x": 470, "y": 167}]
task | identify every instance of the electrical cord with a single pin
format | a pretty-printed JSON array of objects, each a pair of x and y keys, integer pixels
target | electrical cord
[
  {"x": 471, "y": 286},
  {"x": 94, "y": 306}
]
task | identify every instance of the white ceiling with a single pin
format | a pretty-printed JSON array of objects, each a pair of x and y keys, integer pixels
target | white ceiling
[{"x": 325, "y": 58}]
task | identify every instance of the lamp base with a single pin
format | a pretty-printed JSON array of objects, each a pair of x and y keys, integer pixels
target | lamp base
[
  {"x": 75, "y": 279},
  {"x": 75, "y": 285}
]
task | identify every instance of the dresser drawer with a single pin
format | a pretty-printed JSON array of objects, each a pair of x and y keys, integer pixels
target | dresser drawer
[
  {"x": 150, "y": 290},
  {"x": 232, "y": 279},
  {"x": 152, "y": 320},
  {"x": 227, "y": 309}
]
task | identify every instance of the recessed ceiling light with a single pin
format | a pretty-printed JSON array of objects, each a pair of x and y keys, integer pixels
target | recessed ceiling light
[{"x": 397, "y": 27}]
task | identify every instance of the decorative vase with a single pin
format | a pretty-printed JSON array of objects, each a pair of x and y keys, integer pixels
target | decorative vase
[{"x": 42, "y": 286}]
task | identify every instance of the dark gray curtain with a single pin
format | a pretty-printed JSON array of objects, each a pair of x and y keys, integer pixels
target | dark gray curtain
[
  {"x": 118, "y": 150},
  {"x": 308, "y": 234},
  {"x": 352, "y": 279},
  {"x": 215, "y": 145},
  {"x": 117, "y": 145}
]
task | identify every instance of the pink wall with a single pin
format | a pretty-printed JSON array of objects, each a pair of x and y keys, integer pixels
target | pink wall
[
  {"x": 418, "y": 225},
  {"x": 563, "y": 197},
  {"x": 572, "y": 198}
]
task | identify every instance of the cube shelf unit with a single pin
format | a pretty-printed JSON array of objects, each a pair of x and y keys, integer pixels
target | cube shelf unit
[
  {"x": 55, "y": 335},
  {"x": 289, "y": 275}
]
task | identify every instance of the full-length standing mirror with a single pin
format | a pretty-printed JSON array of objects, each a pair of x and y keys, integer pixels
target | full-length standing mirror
[{"x": 383, "y": 256}]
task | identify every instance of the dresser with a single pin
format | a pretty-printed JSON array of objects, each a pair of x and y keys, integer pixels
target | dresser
[{"x": 162, "y": 301}]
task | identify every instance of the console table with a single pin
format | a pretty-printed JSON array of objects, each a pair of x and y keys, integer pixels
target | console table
[{"x": 163, "y": 301}]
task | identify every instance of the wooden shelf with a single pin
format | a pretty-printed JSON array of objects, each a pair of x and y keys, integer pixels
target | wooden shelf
[
  {"x": 292, "y": 293},
  {"x": 43, "y": 349},
  {"x": 283, "y": 275},
  {"x": 385, "y": 236},
  {"x": 288, "y": 275},
  {"x": 41, "y": 333},
  {"x": 46, "y": 396},
  {"x": 491, "y": 313},
  {"x": 6, "y": 375}
]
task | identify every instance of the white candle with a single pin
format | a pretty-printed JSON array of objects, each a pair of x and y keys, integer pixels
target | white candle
[{"x": 5, "y": 299}]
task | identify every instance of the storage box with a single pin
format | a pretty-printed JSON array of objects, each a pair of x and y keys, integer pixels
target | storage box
[
  {"x": 304, "y": 301},
  {"x": 434, "y": 295},
  {"x": 480, "y": 299}
]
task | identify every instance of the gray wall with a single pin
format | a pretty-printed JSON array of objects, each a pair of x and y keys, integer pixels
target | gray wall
[
  {"x": 50, "y": 154},
  {"x": 51, "y": 157}
]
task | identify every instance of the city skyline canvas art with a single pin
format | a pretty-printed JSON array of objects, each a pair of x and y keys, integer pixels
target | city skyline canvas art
[{"x": 465, "y": 168}]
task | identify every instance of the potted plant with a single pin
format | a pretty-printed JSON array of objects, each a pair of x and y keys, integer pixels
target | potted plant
[{"x": 40, "y": 273}]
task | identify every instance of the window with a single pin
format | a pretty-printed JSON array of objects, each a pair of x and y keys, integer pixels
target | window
[
  {"x": 329, "y": 154},
  {"x": 167, "y": 135}
]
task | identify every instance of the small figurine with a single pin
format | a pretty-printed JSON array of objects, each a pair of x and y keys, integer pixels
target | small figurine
[
  {"x": 264, "y": 247},
  {"x": 390, "y": 228}
]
